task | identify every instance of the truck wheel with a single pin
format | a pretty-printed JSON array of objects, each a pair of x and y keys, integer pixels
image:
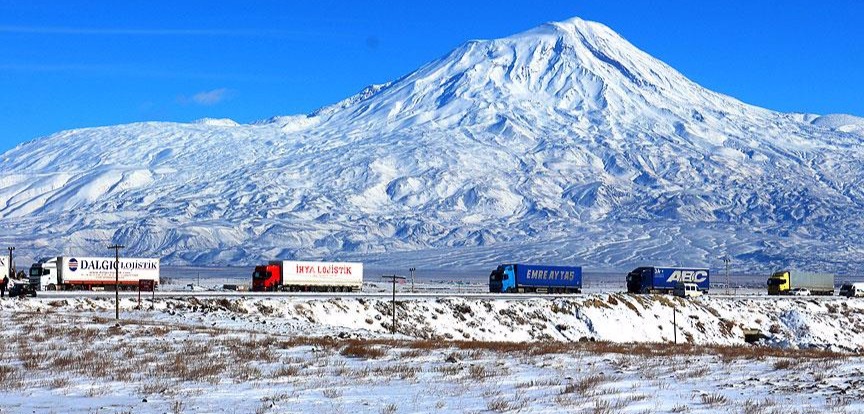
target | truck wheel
[{"x": 52, "y": 287}]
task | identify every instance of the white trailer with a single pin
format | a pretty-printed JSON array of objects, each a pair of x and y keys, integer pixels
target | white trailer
[{"x": 67, "y": 273}]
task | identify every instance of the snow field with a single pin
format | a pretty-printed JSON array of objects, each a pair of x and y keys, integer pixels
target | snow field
[{"x": 598, "y": 354}]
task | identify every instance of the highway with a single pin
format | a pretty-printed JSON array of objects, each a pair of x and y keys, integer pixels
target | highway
[{"x": 179, "y": 294}]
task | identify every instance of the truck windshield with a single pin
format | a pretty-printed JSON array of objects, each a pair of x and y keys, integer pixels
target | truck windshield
[
  {"x": 496, "y": 274},
  {"x": 259, "y": 275},
  {"x": 36, "y": 271},
  {"x": 775, "y": 282}
]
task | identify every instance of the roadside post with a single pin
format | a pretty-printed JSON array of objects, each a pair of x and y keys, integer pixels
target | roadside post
[
  {"x": 116, "y": 248},
  {"x": 674, "y": 324},
  {"x": 393, "y": 301},
  {"x": 11, "y": 249},
  {"x": 412, "y": 270},
  {"x": 146, "y": 285}
]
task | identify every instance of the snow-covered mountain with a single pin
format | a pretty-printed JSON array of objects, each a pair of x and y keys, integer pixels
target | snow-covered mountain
[{"x": 562, "y": 144}]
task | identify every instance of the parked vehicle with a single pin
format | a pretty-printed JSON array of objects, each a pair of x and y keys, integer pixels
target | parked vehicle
[
  {"x": 88, "y": 273},
  {"x": 852, "y": 290},
  {"x": 687, "y": 290},
  {"x": 522, "y": 278},
  {"x": 784, "y": 281},
  {"x": 4, "y": 268},
  {"x": 651, "y": 279},
  {"x": 294, "y": 276},
  {"x": 20, "y": 287},
  {"x": 799, "y": 292}
]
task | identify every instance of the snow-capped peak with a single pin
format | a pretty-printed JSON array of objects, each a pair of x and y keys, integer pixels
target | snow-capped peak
[
  {"x": 224, "y": 122},
  {"x": 564, "y": 143}
]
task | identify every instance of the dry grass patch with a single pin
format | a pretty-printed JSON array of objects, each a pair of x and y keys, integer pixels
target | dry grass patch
[
  {"x": 757, "y": 407},
  {"x": 584, "y": 384},
  {"x": 549, "y": 382},
  {"x": 363, "y": 350},
  {"x": 156, "y": 386},
  {"x": 782, "y": 364},
  {"x": 714, "y": 399},
  {"x": 286, "y": 371},
  {"x": 11, "y": 378},
  {"x": 501, "y": 405},
  {"x": 412, "y": 353},
  {"x": 400, "y": 371},
  {"x": 332, "y": 393}
]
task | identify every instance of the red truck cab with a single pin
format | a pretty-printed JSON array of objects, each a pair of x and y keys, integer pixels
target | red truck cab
[{"x": 266, "y": 278}]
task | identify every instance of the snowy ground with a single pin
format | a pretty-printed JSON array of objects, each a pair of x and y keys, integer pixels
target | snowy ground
[{"x": 596, "y": 353}]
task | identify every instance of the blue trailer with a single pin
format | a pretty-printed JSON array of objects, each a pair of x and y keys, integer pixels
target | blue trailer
[
  {"x": 521, "y": 278},
  {"x": 652, "y": 279}
]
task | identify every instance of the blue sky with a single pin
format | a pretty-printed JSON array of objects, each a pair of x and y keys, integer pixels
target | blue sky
[{"x": 76, "y": 64}]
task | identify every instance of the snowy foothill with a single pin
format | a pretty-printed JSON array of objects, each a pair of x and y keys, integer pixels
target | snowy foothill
[{"x": 599, "y": 353}]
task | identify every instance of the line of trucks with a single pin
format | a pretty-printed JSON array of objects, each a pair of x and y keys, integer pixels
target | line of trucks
[{"x": 98, "y": 273}]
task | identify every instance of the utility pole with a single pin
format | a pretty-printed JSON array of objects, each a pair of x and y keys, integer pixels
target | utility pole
[
  {"x": 412, "y": 270},
  {"x": 674, "y": 324},
  {"x": 116, "y": 248},
  {"x": 11, "y": 249},
  {"x": 726, "y": 260},
  {"x": 393, "y": 301}
]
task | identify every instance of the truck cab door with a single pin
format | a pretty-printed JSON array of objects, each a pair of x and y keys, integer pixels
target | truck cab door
[{"x": 508, "y": 279}]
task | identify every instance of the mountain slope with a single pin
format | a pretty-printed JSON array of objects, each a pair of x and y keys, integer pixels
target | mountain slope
[{"x": 564, "y": 143}]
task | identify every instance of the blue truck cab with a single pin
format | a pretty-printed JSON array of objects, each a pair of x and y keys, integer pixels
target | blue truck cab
[
  {"x": 653, "y": 279},
  {"x": 522, "y": 278}
]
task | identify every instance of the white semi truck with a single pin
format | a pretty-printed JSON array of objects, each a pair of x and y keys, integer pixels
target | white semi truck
[{"x": 89, "y": 273}]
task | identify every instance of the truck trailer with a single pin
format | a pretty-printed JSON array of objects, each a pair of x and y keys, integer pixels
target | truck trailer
[
  {"x": 296, "y": 276},
  {"x": 784, "y": 281},
  {"x": 522, "y": 278},
  {"x": 654, "y": 279},
  {"x": 91, "y": 273}
]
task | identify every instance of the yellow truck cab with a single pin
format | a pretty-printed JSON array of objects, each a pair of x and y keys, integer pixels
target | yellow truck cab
[
  {"x": 784, "y": 281},
  {"x": 778, "y": 283}
]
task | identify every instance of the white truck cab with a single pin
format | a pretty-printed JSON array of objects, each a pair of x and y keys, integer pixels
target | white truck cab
[
  {"x": 852, "y": 290},
  {"x": 685, "y": 290},
  {"x": 43, "y": 275}
]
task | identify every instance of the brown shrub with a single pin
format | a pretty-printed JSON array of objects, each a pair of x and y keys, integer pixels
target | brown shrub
[
  {"x": 363, "y": 350},
  {"x": 584, "y": 384}
]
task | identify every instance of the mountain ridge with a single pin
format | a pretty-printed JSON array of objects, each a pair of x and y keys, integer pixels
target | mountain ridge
[{"x": 561, "y": 143}]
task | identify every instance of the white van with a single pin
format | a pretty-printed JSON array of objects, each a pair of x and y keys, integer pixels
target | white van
[
  {"x": 852, "y": 290},
  {"x": 686, "y": 290}
]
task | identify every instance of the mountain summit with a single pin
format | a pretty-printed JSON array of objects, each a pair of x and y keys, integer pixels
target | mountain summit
[{"x": 564, "y": 144}]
